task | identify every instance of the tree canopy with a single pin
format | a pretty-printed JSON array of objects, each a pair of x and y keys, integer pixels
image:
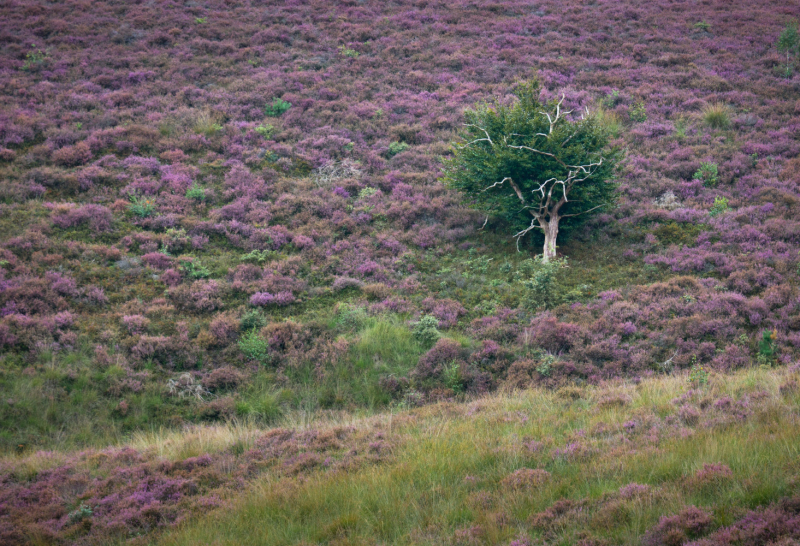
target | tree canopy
[{"x": 531, "y": 165}]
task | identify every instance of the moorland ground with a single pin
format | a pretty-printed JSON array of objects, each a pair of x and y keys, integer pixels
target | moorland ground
[{"x": 226, "y": 218}]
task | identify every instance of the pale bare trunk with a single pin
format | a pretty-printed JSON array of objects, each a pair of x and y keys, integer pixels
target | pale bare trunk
[{"x": 550, "y": 235}]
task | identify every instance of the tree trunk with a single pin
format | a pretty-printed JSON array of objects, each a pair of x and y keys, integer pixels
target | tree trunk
[{"x": 550, "y": 229}]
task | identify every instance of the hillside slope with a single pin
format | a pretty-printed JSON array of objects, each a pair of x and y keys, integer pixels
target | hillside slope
[{"x": 231, "y": 211}]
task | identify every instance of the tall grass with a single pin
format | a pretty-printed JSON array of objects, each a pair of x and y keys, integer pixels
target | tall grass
[
  {"x": 446, "y": 479},
  {"x": 716, "y": 115}
]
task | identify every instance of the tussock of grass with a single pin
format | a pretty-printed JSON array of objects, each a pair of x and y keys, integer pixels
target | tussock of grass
[
  {"x": 445, "y": 480},
  {"x": 716, "y": 115}
]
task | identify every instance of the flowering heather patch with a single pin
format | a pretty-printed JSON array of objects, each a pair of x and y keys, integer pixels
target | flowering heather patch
[
  {"x": 127, "y": 492},
  {"x": 526, "y": 477}
]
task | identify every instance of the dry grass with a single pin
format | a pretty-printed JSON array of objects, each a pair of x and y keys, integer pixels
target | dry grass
[{"x": 446, "y": 478}]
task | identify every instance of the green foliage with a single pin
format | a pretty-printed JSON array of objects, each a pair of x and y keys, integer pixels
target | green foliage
[
  {"x": 258, "y": 256},
  {"x": 268, "y": 406},
  {"x": 345, "y": 51},
  {"x": 708, "y": 173},
  {"x": 703, "y": 25},
  {"x": 452, "y": 378},
  {"x": 426, "y": 330},
  {"x": 262, "y": 402},
  {"x": 681, "y": 124},
  {"x": 34, "y": 59},
  {"x": 266, "y": 130},
  {"x": 251, "y": 320},
  {"x": 766, "y": 345},
  {"x": 389, "y": 346},
  {"x": 638, "y": 112},
  {"x": 196, "y": 193},
  {"x": 200, "y": 20},
  {"x": 789, "y": 43},
  {"x": 506, "y": 148},
  {"x": 277, "y": 108},
  {"x": 544, "y": 366},
  {"x": 367, "y": 192},
  {"x": 254, "y": 347},
  {"x": 396, "y": 148},
  {"x": 612, "y": 99},
  {"x": 142, "y": 206},
  {"x": 609, "y": 121},
  {"x": 195, "y": 269},
  {"x": 79, "y": 514},
  {"x": 541, "y": 286},
  {"x": 698, "y": 375},
  {"x": 350, "y": 317},
  {"x": 720, "y": 206}
]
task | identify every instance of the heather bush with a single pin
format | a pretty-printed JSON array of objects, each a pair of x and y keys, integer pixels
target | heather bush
[
  {"x": 677, "y": 529},
  {"x": 97, "y": 217}
]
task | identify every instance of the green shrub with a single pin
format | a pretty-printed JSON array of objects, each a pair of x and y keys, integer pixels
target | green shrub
[
  {"x": 196, "y": 193},
  {"x": 638, "y": 112},
  {"x": 254, "y": 347},
  {"x": 81, "y": 513},
  {"x": 545, "y": 365},
  {"x": 426, "y": 330},
  {"x": 396, "y": 148},
  {"x": 277, "y": 108},
  {"x": 265, "y": 130},
  {"x": 195, "y": 269},
  {"x": 367, "y": 192},
  {"x": 452, "y": 378},
  {"x": 698, "y": 375},
  {"x": 350, "y": 317},
  {"x": 703, "y": 25},
  {"x": 252, "y": 319},
  {"x": 720, "y": 206},
  {"x": 541, "y": 288},
  {"x": 142, "y": 206},
  {"x": 345, "y": 51},
  {"x": 258, "y": 256},
  {"x": 766, "y": 345},
  {"x": 34, "y": 59},
  {"x": 708, "y": 173}
]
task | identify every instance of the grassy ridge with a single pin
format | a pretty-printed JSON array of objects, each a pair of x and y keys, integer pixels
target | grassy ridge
[{"x": 451, "y": 475}]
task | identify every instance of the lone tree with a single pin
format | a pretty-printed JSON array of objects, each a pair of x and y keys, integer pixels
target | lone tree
[
  {"x": 531, "y": 165},
  {"x": 789, "y": 43}
]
